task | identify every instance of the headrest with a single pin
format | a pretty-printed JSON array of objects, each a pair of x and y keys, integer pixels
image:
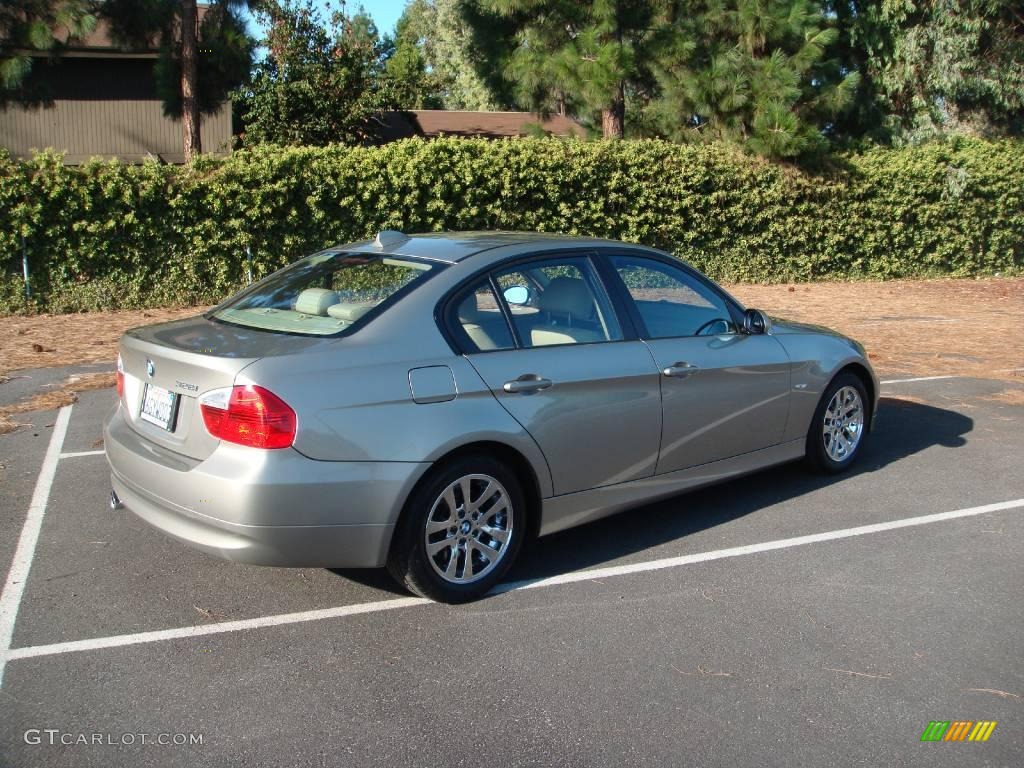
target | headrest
[
  {"x": 568, "y": 296},
  {"x": 315, "y": 301},
  {"x": 349, "y": 312}
]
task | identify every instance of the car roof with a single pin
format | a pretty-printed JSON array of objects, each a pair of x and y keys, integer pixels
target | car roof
[{"x": 453, "y": 247}]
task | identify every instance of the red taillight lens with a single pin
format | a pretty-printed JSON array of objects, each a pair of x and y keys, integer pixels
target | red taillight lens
[
  {"x": 120, "y": 377},
  {"x": 254, "y": 417}
]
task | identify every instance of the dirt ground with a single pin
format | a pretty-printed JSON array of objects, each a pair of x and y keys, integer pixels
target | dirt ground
[
  {"x": 49, "y": 399},
  {"x": 914, "y": 327},
  {"x": 917, "y": 328},
  {"x": 46, "y": 341}
]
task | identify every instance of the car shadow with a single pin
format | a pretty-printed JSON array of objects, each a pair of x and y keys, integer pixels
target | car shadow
[
  {"x": 376, "y": 578},
  {"x": 904, "y": 427}
]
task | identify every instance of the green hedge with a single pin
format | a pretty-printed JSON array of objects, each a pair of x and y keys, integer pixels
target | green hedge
[{"x": 105, "y": 235}]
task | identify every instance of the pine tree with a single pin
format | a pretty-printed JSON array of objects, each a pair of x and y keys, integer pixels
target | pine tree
[
  {"x": 753, "y": 72},
  {"x": 936, "y": 67},
  {"x": 582, "y": 58}
]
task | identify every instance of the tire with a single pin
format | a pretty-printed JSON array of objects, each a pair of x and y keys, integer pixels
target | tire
[
  {"x": 836, "y": 437},
  {"x": 421, "y": 559}
]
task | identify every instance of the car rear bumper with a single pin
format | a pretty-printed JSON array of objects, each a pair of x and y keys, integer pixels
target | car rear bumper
[{"x": 261, "y": 507}]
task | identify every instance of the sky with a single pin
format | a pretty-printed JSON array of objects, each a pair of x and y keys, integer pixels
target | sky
[{"x": 384, "y": 12}]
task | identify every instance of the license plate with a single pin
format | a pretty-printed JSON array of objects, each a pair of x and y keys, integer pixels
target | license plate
[{"x": 159, "y": 406}]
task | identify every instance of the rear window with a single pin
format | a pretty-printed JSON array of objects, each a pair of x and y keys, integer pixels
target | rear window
[{"x": 324, "y": 294}]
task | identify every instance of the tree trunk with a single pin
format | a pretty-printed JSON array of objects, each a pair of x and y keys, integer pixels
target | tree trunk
[
  {"x": 192, "y": 141},
  {"x": 613, "y": 118}
]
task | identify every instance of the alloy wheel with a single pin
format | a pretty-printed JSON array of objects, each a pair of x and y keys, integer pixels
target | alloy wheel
[
  {"x": 843, "y": 424},
  {"x": 469, "y": 529}
]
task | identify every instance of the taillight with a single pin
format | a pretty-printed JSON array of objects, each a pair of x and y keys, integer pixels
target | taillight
[
  {"x": 120, "y": 377},
  {"x": 248, "y": 415}
]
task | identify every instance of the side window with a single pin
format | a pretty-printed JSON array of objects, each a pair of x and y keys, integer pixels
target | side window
[
  {"x": 481, "y": 319},
  {"x": 558, "y": 301},
  {"x": 672, "y": 302}
]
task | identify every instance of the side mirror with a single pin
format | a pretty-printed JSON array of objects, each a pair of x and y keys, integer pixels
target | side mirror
[
  {"x": 756, "y": 322},
  {"x": 517, "y": 294}
]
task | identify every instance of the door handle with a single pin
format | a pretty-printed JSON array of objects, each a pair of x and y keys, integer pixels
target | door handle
[
  {"x": 679, "y": 370},
  {"x": 527, "y": 384}
]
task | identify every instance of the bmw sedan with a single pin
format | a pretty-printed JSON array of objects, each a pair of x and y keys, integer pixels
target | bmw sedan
[{"x": 430, "y": 403}]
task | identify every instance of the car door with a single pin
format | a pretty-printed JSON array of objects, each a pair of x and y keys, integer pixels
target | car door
[
  {"x": 723, "y": 392},
  {"x": 544, "y": 338}
]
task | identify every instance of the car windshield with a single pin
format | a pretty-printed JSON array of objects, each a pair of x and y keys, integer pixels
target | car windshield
[{"x": 323, "y": 294}]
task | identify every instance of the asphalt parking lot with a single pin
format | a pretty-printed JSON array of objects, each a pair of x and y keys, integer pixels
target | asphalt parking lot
[{"x": 784, "y": 619}]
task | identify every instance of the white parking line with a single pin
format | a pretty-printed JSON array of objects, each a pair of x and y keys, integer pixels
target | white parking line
[
  {"x": 116, "y": 641},
  {"x": 766, "y": 546},
  {"x": 73, "y": 454},
  {"x": 919, "y": 378},
  {"x": 14, "y": 587},
  {"x": 213, "y": 629}
]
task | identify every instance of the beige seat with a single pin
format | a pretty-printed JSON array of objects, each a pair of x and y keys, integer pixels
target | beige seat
[
  {"x": 315, "y": 301},
  {"x": 569, "y": 305},
  {"x": 474, "y": 322},
  {"x": 349, "y": 312}
]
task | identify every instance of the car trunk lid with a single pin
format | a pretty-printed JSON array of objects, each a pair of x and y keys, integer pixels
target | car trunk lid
[{"x": 188, "y": 358}]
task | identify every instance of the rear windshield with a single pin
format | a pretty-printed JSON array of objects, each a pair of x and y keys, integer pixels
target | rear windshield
[{"x": 323, "y": 294}]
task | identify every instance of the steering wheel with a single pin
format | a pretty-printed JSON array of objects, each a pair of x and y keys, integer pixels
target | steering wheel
[{"x": 711, "y": 324}]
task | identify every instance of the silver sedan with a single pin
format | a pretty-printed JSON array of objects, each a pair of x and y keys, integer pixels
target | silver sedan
[{"x": 430, "y": 403}]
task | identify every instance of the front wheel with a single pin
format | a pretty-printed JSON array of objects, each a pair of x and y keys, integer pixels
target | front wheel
[
  {"x": 838, "y": 428},
  {"x": 461, "y": 530}
]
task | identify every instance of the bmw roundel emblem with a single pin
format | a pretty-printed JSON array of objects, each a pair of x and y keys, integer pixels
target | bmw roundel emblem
[{"x": 150, "y": 368}]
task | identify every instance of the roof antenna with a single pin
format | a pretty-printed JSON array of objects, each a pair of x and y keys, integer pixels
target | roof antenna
[{"x": 387, "y": 238}]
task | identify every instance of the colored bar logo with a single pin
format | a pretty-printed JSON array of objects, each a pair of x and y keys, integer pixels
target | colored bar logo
[{"x": 958, "y": 730}]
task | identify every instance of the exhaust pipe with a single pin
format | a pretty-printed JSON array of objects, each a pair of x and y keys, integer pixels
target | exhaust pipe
[{"x": 115, "y": 503}]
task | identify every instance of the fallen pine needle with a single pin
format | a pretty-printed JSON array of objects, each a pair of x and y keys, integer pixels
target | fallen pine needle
[
  {"x": 701, "y": 671},
  {"x": 858, "y": 674},
  {"x": 713, "y": 674},
  {"x": 997, "y": 692}
]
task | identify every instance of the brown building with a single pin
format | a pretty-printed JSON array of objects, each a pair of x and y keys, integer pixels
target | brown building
[
  {"x": 432, "y": 123},
  {"x": 104, "y": 103}
]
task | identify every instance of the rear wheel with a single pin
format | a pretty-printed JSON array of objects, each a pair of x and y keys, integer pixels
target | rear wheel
[
  {"x": 839, "y": 425},
  {"x": 461, "y": 530}
]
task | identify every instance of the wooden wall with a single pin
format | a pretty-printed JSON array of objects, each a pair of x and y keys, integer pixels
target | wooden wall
[{"x": 106, "y": 108}]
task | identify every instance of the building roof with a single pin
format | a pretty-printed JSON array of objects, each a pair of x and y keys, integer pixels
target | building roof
[
  {"x": 97, "y": 41},
  {"x": 432, "y": 123},
  {"x": 100, "y": 42},
  {"x": 440, "y": 122}
]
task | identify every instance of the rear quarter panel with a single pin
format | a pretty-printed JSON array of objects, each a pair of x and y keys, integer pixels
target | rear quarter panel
[{"x": 357, "y": 406}]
